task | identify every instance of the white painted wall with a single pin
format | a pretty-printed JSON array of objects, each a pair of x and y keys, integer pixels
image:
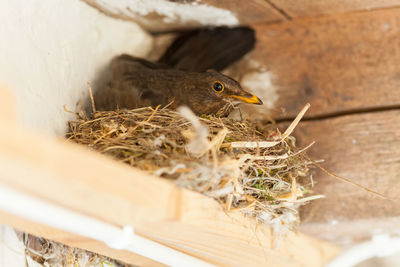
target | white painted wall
[
  {"x": 50, "y": 49},
  {"x": 164, "y": 15}
]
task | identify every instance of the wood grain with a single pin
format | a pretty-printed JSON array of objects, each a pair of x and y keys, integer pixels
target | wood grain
[
  {"x": 301, "y": 8},
  {"x": 336, "y": 63},
  {"x": 365, "y": 149},
  {"x": 249, "y": 12}
]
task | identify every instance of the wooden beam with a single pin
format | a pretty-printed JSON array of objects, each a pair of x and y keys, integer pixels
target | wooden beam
[
  {"x": 95, "y": 185},
  {"x": 339, "y": 63}
]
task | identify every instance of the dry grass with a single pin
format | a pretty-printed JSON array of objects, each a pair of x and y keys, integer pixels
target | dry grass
[{"x": 243, "y": 165}]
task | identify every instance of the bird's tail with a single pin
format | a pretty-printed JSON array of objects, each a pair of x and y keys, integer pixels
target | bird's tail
[{"x": 213, "y": 48}]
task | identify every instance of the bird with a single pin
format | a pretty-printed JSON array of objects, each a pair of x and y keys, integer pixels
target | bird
[{"x": 186, "y": 75}]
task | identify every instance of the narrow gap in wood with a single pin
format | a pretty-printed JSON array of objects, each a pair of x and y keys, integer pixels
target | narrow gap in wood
[
  {"x": 356, "y": 11},
  {"x": 349, "y": 12},
  {"x": 316, "y": 16},
  {"x": 340, "y": 113},
  {"x": 280, "y": 10}
]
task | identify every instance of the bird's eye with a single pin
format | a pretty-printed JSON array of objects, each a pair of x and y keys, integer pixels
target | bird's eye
[{"x": 218, "y": 87}]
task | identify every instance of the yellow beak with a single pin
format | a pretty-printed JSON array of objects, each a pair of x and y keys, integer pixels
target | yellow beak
[{"x": 251, "y": 99}]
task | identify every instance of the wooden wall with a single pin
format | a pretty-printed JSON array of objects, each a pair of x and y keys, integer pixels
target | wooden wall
[{"x": 348, "y": 67}]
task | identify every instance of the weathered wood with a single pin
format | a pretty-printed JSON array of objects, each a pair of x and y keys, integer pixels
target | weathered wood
[
  {"x": 341, "y": 64},
  {"x": 301, "y": 8},
  {"x": 336, "y": 63},
  {"x": 249, "y": 12},
  {"x": 92, "y": 184},
  {"x": 365, "y": 149}
]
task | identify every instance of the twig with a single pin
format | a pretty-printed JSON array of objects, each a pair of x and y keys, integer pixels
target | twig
[
  {"x": 67, "y": 110},
  {"x": 148, "y": 119},
  {"x": 296, "y": 121},
  {"x": 91, "y": 98},
  {"x": 266, "y": 157},
  {"x": 347, "y": 180},
  {"x": 267, "y": 144}
]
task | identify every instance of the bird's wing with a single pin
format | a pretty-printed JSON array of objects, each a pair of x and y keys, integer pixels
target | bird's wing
[
  {"x": 127, "y": 88},
  {"x": 214, "y": 48},
  {"x": 126, "y": 63}
]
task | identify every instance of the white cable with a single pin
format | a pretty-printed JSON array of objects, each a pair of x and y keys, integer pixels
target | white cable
[
  {"x": 19, "y": 204},
  {"x": 379, "y": 246}
]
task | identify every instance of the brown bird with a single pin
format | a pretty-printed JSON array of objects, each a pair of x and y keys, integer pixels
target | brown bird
[{"x": 181, "y": 76}]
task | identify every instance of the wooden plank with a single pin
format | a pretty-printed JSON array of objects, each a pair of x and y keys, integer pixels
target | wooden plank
[
  {"x": 94, "y": 185},
  {"x": 249, "y": 12},
  {"x": 239, "y": 249},
  {"x": 8, "y": 106},
  {"x": 337, "y": 63},
  {"x": 228, "y": 256},
  {"x": 301, "y": 8},
  {"x": 365, "y": 149},
  {"x": 74, "y": 240},
  {"x": 71, "y": 176}
]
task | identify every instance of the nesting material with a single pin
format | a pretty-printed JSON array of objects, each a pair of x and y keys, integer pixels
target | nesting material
[
  {"x": 244, "y": 166},
  {"x": 42, "y": 252}
]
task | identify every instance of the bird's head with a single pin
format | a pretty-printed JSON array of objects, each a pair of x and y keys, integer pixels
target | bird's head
[{"x": 227, "y": 89}]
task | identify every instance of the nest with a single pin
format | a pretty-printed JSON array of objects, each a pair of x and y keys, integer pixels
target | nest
[
  {"x": 244, "y": 166},
  {"x": 42, "y": 252}
]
